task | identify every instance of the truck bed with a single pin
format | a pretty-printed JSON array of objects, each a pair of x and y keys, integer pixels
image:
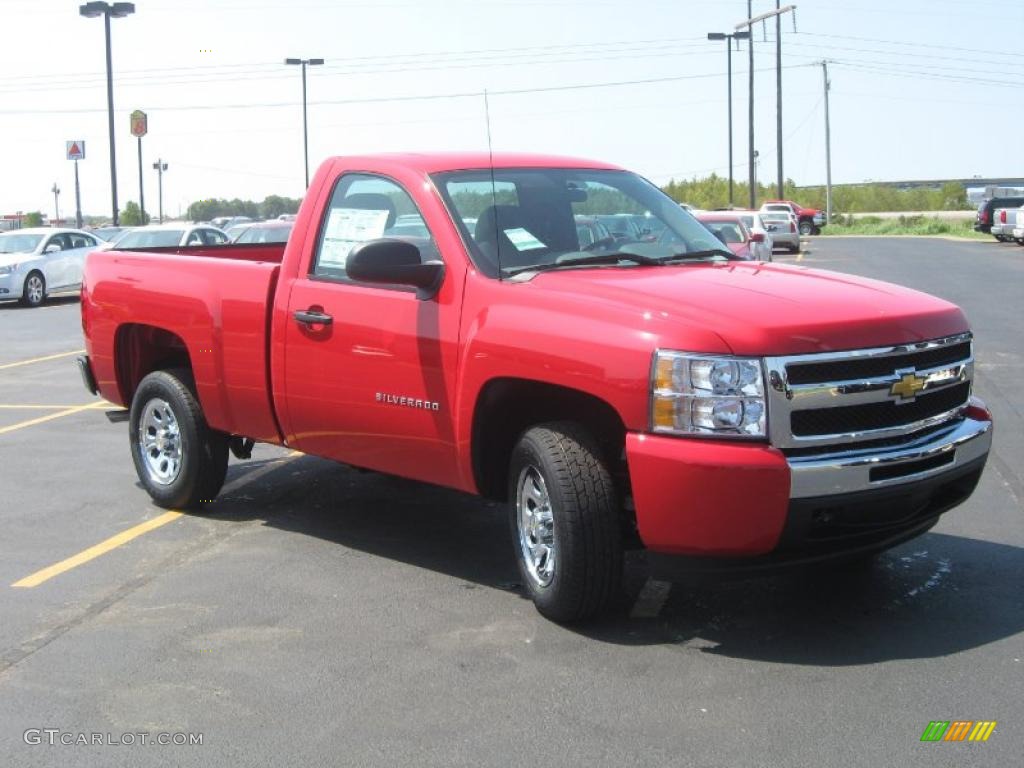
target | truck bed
[{"x": 211, "y": 303}]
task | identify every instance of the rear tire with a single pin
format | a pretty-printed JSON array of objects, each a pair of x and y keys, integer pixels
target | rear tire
[
  {"x": 180, "y": 460},
  {"x": 564, "y": 515},
  {"x": 793, "y": 248},
  {"x": 806, "y": 228},
  {"x": 34, "y": 291}
]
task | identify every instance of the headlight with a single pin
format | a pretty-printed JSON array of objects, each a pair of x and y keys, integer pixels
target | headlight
[
  {"x": 8, "y": 269},
  {"x": 707, "y": 395}
]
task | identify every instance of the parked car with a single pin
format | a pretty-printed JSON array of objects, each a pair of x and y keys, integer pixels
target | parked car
[
  {"x": 985, "y": 218},
  {"x": 664, "y": 396},
  {"x": 108, "y": 234},
  {"x": 783, "y": 228},
  {"x": 38, "y": 261},
  {"x": 590, "y": 232},
  {"x": 275, "y": 231},
  {"x": 1018, "y": 226},
  {"x": 169, "y": 235},
  {"x": 762, "y": 243},
  {"x": 1003, "y": 222},
  {"x": 809, "y": 220},
  {"x": 729, "y": 228}
]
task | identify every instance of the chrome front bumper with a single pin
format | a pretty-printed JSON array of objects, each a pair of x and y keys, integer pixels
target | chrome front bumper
[{"x": 865, "y": 469}]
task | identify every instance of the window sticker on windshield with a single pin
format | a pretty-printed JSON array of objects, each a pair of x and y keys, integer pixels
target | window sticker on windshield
[
  {"x": 523, "y": 240},
  {"x": 346, "y": 228}
]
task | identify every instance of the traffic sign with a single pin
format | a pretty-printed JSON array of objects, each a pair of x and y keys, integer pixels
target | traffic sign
[
  {"x": 140, "y": 123},
  {"x": 76, "y": 150}
]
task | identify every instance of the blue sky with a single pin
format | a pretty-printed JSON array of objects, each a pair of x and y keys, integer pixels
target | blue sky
[{"x": 921, "y": 89}]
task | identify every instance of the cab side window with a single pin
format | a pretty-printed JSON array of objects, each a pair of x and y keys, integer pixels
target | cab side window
[{"x": 365, "y": 207}]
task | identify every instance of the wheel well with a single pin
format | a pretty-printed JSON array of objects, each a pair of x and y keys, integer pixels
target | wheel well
[
  {"x": 508, "y": 407},
  {"x": 141, "y": 349}
]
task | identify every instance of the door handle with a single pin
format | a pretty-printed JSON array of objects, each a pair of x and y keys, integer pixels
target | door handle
[{"x": 312, "y": 317}]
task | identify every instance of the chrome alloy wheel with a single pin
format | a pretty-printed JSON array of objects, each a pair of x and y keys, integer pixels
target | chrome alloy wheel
[
  {"x": 160, "y": 442},
  {"x": 536, "y": 526},
  {"x": 34, "y": 289}
]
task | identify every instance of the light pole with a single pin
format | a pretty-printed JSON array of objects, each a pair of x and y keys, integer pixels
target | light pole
[
  {"x": 56, "y": 204},
  {"x": 728, "y": 47},
  {"x": 160, "y": 166},
  {"x": 305, "y": 130},
  {"x": 117, "y": 11}
]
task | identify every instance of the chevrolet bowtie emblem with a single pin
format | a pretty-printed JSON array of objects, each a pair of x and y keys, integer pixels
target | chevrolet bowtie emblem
[{"x": 908, "y": 386}]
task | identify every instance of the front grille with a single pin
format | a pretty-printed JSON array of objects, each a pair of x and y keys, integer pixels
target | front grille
[
  {"x": 854, "y": 368},
  {"x": 861, "y": 418},
  {"x": 821, "y": 403}
]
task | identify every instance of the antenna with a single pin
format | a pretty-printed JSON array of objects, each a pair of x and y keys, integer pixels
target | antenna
[{"x": 494, "y": 193}]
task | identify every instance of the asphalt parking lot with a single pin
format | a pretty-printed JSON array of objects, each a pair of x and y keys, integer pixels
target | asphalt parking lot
[{"x": 317, "y": 615}]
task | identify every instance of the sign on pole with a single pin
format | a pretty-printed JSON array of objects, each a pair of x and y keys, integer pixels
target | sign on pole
[
  {"x": 140, "y": 123},
  {"x": 76, "y": 150}
]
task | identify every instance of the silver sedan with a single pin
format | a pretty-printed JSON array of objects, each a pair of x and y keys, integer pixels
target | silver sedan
[{"x": 39, "y": 261}]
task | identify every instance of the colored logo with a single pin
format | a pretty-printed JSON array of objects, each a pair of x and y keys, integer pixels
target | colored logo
[
  {"x": 958, "y": 730},
  {"x": 908, "y": 386}
]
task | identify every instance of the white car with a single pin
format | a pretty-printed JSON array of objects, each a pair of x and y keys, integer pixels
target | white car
[
  {"x": 762, "y": 249},
  {"x": 38, "y": 261},
  {"x": 168, "y": 236},
  {"x": 783, "y": 228}
]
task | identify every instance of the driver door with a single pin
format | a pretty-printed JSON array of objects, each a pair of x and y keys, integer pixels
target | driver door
[{"x": 372, "y": 383}]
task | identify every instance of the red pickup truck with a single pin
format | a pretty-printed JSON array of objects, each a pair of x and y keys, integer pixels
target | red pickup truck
[{"x": 440, "y": 317}]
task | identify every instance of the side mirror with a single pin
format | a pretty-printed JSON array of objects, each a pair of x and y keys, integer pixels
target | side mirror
[
  {"x": 757, "y": 237},
  {"x": 388, "y": 261},
  {"x": 52, "y": 249}
]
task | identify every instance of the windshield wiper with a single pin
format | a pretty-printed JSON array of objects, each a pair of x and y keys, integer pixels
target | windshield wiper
[
  {"x": 586, "y": 260},
  {"x": 696, "y": 255}
]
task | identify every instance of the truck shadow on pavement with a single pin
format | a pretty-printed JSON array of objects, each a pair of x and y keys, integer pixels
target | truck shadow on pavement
[{"x": 936, "y": 595}]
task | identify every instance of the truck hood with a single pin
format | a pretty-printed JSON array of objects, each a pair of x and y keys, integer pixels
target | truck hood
[{"x": 754, "y": 308}]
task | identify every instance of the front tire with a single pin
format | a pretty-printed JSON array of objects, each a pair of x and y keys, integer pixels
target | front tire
[
  {"x": 564, "y": 516},
  {"x": 34, "y": 291},
  {"x": 179, "y": 459}
]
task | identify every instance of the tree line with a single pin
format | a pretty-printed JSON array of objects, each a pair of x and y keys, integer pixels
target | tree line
[
  {"x": 713, "y": 192},
  {"x": 271, "y": 207}
]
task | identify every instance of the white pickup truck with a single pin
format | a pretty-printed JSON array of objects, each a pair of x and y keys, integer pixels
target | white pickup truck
[
  {"x": 1004, "y": 221},
  {"x": 1018, "y": 224}
]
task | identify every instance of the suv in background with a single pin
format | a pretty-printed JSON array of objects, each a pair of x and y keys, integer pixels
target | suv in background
[{"x": 986, "y": 212}]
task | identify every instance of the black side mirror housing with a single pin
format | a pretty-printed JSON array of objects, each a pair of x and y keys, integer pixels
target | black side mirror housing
[{"x": 389, "y": 261}]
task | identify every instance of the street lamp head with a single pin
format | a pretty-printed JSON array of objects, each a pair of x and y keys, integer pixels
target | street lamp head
[
  {"x": 293, "y": 61},
  {"x": 717, "y": 35},
  {"x": 316, "y": 61},
  {"x": 92, "y": 10},
  {"x": 744, "y": 35},
  {"x": 120, "y": 10}
]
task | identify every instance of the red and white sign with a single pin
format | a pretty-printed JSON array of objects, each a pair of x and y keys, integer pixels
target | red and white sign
[
  {"x": 76, "y": 150},
  {"x": 140, "y": 123}
]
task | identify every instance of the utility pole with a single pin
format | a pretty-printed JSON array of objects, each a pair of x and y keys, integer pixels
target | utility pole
[
  {"x": 78, "y": 200},
  {"x": 56, "y": 204},
  {"x": 778, "y": 98},
  {"x": 748, "y": 24},
  {"x": 142, "y": 199},
  {"x": 160, "y": 166},
  {"x": 828, "y": 148},
  {"x": 305, "y": 129},
  {"x": 751, "y": 173}
]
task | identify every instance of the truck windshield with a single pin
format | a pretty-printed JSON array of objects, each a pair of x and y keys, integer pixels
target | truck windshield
[{"x": 525, "y": 217}]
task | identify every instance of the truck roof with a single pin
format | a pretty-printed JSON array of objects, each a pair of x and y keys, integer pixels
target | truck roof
[{"x": 434, "y": 162}]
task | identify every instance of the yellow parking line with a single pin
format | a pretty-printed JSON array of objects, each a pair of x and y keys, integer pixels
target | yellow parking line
[
  {"x": 41, "y": 359},
  {"x": 91, "y": 553},
  {"x": 51, "y": 416},
  {"x": 33, "y": 407}
]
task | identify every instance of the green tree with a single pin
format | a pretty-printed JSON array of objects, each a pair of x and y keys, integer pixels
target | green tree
[
  {"x": 32, "y": 219},
  {"x": 274, "y": 205},
  {"x": 132, "y": 215}
]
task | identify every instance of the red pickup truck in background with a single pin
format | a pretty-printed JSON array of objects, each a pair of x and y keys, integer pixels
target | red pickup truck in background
[
  {"x": 436, "y": 317},
  {"x": 808, "y": 220}
]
